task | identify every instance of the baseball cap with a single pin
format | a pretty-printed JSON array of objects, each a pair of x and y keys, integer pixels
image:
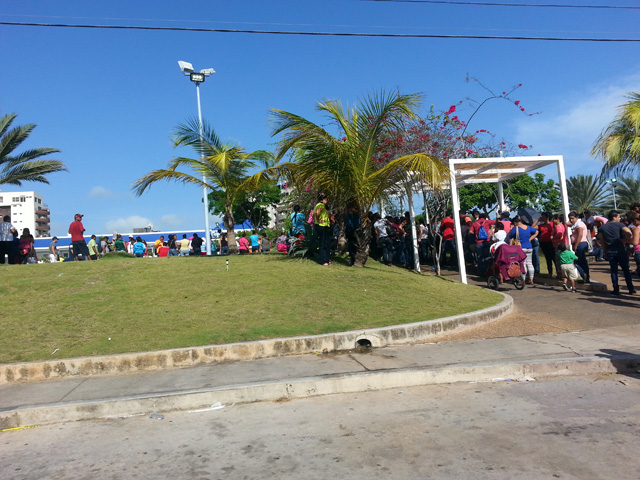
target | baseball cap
[
  {"x": 54, "y": 238},
  {"x": 78, "y": 215}
]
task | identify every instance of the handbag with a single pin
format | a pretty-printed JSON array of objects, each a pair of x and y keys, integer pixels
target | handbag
[
  {"x": 516, "y": 241},
  {"x": 514, "y": 270}
]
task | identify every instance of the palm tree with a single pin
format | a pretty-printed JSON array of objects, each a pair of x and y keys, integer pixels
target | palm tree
[
  {"x": 345, "y": 166},
  {"x": 619, "y": 143},
  {"x": 25, "y": 166},
  {"x": 223, "y": 167},
  {"x": 628, "y": 192},
  {"x": 587, "y": 192}
]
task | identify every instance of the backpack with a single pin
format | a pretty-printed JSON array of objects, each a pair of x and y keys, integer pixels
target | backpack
[{"x": 482, "y": 233}]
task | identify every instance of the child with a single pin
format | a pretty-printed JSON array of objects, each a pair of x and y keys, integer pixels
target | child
[{"x": 567, "y": 269}]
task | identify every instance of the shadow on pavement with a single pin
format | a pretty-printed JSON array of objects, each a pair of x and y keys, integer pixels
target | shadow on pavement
[{"x": 625, "y": 363}]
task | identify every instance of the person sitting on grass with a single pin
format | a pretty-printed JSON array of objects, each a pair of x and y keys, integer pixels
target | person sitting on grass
[
  {"x": 265, "y": 246},
  {"x": 282, "y": 244},
  {"x": 567, "y": 268},
  {"x": 139, "y": 248},
  {"x": 243, "y": 244}
]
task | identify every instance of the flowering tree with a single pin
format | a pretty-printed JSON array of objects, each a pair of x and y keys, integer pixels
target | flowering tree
[{"x": 445, "y": 135}]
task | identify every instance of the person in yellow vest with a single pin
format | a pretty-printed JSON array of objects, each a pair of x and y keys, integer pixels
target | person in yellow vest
[{"x": 322, "y": 224}]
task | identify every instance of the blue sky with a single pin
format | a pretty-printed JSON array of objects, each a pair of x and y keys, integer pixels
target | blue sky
[{"x": 108, "y": 99}]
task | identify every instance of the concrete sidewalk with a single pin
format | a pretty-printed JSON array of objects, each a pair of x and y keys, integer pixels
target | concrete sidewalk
[{"x": 609, "y": 350}]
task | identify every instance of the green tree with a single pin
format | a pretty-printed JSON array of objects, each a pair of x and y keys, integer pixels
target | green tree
[
  {"x": 250, "y": 205},
  {"x": 519, "y": 192},
  {"x": 345, "y": 165},
  {"x": 16, "y": 168},
  {"x": 587, "y": 192},
  {"x": 619, "y": 142},
  {"x": 223, "y": 166}
]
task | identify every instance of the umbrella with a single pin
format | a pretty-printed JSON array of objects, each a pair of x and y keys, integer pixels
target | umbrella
[{"x": 529, "y": 215}]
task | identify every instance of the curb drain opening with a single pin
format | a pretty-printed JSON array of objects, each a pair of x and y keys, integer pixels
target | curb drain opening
[{"x": 364, "y": 344}]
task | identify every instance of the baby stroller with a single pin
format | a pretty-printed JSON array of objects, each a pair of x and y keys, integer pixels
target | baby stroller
[{"x": 508, "y": 264}]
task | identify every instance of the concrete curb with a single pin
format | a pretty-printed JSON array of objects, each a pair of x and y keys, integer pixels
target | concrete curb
[
  {"x": 313, "y": 386},
  {"x": 183, "y": 357}
]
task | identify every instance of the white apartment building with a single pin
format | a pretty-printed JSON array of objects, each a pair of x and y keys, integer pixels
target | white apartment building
[{"x": 27, "y": 210}]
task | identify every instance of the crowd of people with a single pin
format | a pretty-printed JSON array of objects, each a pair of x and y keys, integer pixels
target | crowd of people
[{"x": 565, "y": 245}]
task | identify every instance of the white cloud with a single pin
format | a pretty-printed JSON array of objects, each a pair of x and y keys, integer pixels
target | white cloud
[
  {"x": 573, "y": 127},
  {"x": 101, "y": 192},
  {"x": 126, "y": 224},
  {"x": 171, "y": 221}
]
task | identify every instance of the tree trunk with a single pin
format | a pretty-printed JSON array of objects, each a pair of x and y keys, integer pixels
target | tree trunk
[
  {"x": 363, "y": 239},
  {"x": 342, "y": 236},
  {"x": 229, "y": 223}
]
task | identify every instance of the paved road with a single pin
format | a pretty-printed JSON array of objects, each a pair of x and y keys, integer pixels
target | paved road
[{"x": 569, "y": 428}]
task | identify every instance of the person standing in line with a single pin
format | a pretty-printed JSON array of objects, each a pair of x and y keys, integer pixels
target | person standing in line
[
  {"x": 53, "y": 250},
  {"x": 76, "y": 230},
  {"x": 255, "y": 242},
  {"x": 119, "y": 245},
  {"x": 93, "y": 248},
  {"x": 567, "y": 267},
  {"x": 580, "y": 245},
  {"x": 27, "y": 252},
  {"x": 173, "y": 247},
  {"x": 545, "y": 234},
  {"x": 322, "y": 224},
  {"x": 196, "y": 245},
  {"x": 381, "y": 227},
  {"x": 104, "y": 245},
  {"x": 243, "y": 244},
  {"x": 183, "y": 246},
  {"x": 524, "y": 234},
  {"x": 447, "y": 229},
  {"x": 614, "y": 236},
  {"x": 635, "y": 238},
  {"x": 559, "y": 236},
  {"x": 224, "y": 244},
  {"x": 6, "y": 240},
  {"x": 481, "y": 228}
]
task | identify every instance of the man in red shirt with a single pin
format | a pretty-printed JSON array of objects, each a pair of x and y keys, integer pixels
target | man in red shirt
[
  {"x": 545, "y": 229},
  {"x": 448, "y": 244},
  {"x": 76, "y": 230},
  {"x": 481, "y": 228}
]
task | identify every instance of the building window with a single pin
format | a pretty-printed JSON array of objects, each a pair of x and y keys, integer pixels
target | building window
[
  {"x": 23, "y": 199},
  {"x": 15, "y": 199},
  {"x": 1, "y": 200}
]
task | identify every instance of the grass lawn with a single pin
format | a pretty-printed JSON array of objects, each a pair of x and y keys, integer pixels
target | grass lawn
[{"x": 156, "y": 303}]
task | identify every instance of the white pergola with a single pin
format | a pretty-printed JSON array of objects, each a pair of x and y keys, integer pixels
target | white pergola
[{"x": 465, "y": 171}]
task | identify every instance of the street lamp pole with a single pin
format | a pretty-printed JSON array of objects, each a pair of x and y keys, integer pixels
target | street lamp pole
[
  {"x": 614, "y": 182},
  {"x": 198, "y": 78}
]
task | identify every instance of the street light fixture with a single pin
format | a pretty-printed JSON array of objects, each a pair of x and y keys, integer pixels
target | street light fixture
[{"x": 198, "y": 78}]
